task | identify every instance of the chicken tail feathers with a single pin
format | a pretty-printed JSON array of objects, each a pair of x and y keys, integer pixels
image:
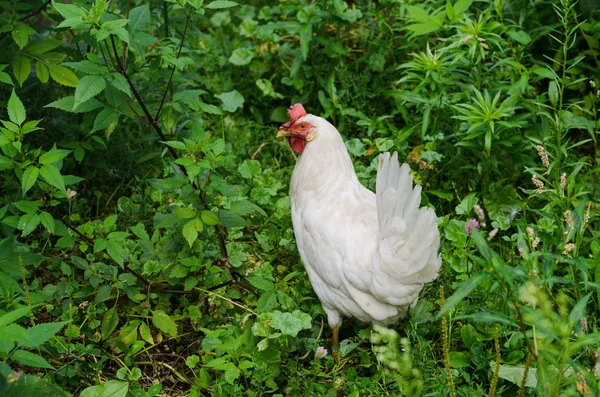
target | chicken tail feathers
[{"x": 409, "y": 238}]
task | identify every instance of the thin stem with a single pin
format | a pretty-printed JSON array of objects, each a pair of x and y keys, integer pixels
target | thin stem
[
  {"x": 34, "y": 13},
  {"x": 162, "y": 102},
  {"x": 220, "y": 231}
]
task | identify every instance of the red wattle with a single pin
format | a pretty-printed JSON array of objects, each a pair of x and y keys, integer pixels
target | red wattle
[{"x": 297, "y": 144}]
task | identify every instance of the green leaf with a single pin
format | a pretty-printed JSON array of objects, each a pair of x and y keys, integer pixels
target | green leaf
[
  {"x": 103, "y": 294},
  {"x": 28, "y": 206},
  {"x": 5, "y": 163},
  {"x": 461, "y": 6},
  {"x": 16, "y": 110},
  {"x": 209, "y": 218},
  {"x": 53, "y": 155},
  {"x": 519, "y": 36},
  {"x": 466, "y": 205},
  {"x": 48, "y": 221},
  {"x": 30, "y": 176},
  {"x": 267, "y": 301},
  {"x": 164, "y": 323},
  {"x": 30, "y": 359},
  {"x": 462, "y": 292},
  {"x": 41, "y": 333},
  {"x": 116, "y": 251},
  {"x": 62, "y": 75},
  {"x": 553, "y": 92},
  {"x": 28, "y": 223},
  {"x": 139, "y": 19},
  {"x": 261, "y": 283},
  {"x": 486, "y": 317},
  {"x": 515, "y": 374},
  {"x": 250, "y": 169},
  {"x": 232, "y": 100},
  {"x": 110, "y": 320},
  {"x": 21, "y": 33},
  {"x": 42, "y": 72},
  {"x": 578, "y": 311},
  {"x": 458, "y": 360},
  {"x": 40, "y": 47},
  {"x": 5, "y": 78},
  {"x": 52, "y": 175},
  {"x": 220, "y": 4},
  {"x": 112, "y": 388},
  {"x": 69, "y": 10},
  {"x": 417, "y": 13},
  {"x": 15, "y": 314},
  {"x": 88, "y": 87},
  {"x": 305, "y": 35},
  {"x": 241, "y": 56},
  {"x": 145, "y": 333},
  {"x": 105, "y": 119},
  {"x": 290, "y": 323},
  {"x": 21, "y": 68},
  {"x": 191, "y": 229}
]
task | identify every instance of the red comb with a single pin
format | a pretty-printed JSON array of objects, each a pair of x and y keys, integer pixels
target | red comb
[{"x": 296, "y": 112}]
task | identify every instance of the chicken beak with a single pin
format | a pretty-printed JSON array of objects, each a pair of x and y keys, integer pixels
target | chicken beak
[{"x": 283, "y": 131}]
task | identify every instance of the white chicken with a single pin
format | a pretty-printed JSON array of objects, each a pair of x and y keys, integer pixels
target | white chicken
[{"x": 367, "y": 254}]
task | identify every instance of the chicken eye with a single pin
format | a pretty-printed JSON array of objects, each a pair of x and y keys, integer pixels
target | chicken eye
[{"x": 302, "y": 126}]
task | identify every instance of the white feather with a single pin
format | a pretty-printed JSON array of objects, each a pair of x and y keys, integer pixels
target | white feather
[{"x": 367, "y": 255}]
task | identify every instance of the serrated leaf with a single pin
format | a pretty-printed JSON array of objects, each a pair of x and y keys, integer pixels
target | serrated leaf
[
  {"x": 103, "y": 294},
  {"x": 5, "y": 163},
  {"x": 30, "y": 359},
  {"x": 20, "y": 34},
  {"x": 15, "y": 314},
  {"x": 16, "y": 110},
  {"x": 105, "y": 119},
  {"x": 209, "y": 218},
  {"x": 42, "y": 72},
  {"x": 30, "y": 176},
  {"x": 41, "y": 333},
  {"x": 139, "y": 19},
  {"x": 110, "y": 320},
  {"x": 116, "y": 251},
  {"x": 145, "y": 333},
  {"x": 21, "y": 68},
  {"x": 290, "y": 323},
  {"x": 261, "y": 283},
  {"x": 220, "y": 4},
  {"x": 39, "y": 47},
  {"x": 28, "y": 223},
  {"x": 164, "y": 323},
  {"x": 52, "y": 175},
  {"x": 62, "y": 75},
  {"x": 53, "y": 155},
  {"x": 69, "y": 10},
  {"x": 190, "y": 230},
  {"x": 88, "y": 87},
  {"x": 47, "y": 220}
]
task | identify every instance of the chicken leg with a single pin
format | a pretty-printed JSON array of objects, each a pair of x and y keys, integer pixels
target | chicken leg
[{"x": 336, "y": 343}]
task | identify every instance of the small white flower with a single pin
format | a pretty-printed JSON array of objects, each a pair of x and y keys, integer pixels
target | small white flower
[{"x": 71, "y": 194}]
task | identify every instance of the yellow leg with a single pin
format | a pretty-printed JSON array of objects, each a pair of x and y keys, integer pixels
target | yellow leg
[{"x": 336, "y": 342}]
